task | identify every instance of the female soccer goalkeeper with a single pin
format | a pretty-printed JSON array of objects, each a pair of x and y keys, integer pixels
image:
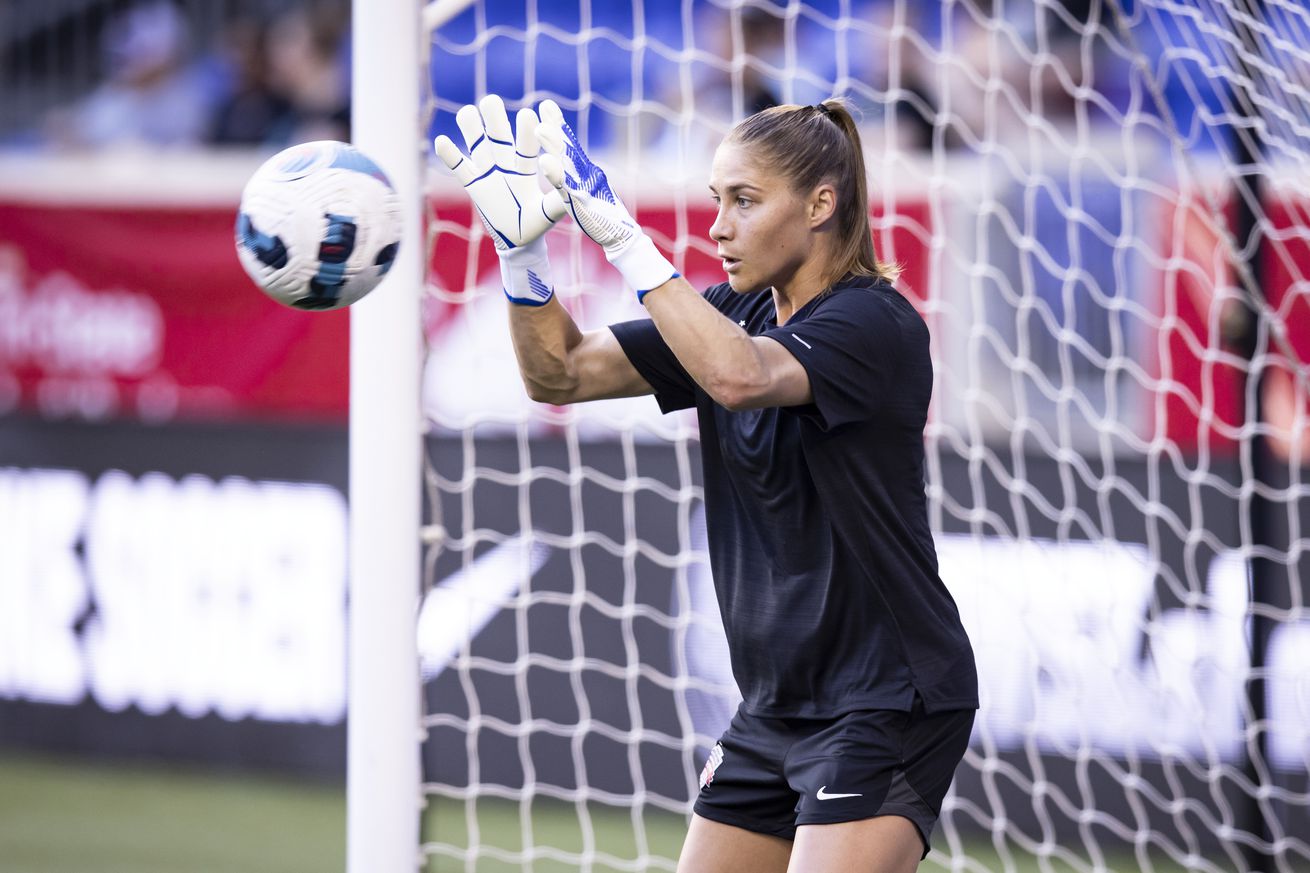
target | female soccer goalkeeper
[{"x": 811, "y": 378}]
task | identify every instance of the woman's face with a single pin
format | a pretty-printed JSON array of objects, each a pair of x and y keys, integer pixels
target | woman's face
[{"x": 763, "y": 227}]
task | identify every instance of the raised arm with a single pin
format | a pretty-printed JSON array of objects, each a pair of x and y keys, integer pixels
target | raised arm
[
  {"x": 736, "y": 370},
  {"x": 561, "y": 364},
  {"x": 558, "y": 362}
]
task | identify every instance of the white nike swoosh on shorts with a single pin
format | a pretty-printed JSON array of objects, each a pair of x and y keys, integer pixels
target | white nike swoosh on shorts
[{"x": 824, "y": 795}]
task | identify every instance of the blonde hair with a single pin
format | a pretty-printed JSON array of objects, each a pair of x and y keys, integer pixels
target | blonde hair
[{"x": 813, "y": 144}]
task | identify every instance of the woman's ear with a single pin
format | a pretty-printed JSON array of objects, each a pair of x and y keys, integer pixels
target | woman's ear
[{"x": 822, "y": 204}]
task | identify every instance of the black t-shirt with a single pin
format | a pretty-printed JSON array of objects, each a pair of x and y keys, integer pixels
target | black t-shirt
[{"x": 823, "y": 561}]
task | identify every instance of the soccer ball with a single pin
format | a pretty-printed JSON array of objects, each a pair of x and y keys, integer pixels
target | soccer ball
[{"x": 319, "y": 225}]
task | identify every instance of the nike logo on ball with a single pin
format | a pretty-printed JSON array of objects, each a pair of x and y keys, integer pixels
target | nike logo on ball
[{"x": 824, "y": 795}]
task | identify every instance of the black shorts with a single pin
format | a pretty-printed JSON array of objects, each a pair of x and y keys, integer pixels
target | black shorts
[{"x": 770, "y": 775}]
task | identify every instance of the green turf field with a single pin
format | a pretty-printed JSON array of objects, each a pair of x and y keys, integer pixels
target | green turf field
[
  {"x": 75, "y": 816},
  {"x": 71, "y": 816}
]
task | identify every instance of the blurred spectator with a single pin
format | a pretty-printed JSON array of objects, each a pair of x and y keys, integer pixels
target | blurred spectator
[
  {"x": 999, "y": 69},
  {"x": 764, "y": 41},
  {"x": 759, "y": 35},
  {"x": 252, "y": 112},
  {"x": 725, "y": 90},
  {"x": 269, "y": 83},
  {"x": 150, "y": 96},
  {"x": 306, "y": 68},
  {"x": 913, "y": 103},
  {"x": 976, "y": 55}
]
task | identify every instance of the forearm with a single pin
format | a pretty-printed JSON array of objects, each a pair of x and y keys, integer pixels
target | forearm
[
  {"x": 543, "y": 337},
  {"x": 736, "y": 371},
  {"x": 558, "y": 362},
  {"x": 716, "y": 352}
]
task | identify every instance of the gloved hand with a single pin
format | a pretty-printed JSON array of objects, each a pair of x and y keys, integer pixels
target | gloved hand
[
  {"x": 500, "y": 175},
  {"x": 600, "y": 213}
]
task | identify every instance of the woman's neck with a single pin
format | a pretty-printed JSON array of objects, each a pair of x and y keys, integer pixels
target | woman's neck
[{"x": 807, "y": 283}]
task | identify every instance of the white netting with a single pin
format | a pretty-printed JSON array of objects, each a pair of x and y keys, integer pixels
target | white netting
[{"x": 1101, "y": 211}]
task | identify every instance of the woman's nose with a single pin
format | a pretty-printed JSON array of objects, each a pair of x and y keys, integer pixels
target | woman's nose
[{"x": 720, "y": 229}]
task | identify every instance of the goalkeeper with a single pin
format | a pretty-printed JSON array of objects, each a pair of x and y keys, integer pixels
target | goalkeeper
[{"x": 811, "y": 378}]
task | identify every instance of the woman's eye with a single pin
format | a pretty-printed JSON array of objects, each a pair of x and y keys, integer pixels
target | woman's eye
[{"x": 742, "y": 203}]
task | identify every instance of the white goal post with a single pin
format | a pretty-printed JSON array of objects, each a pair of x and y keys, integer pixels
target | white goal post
[
  {"x": 1103, "y": 211},
  {"x": 383, "y": 797}
]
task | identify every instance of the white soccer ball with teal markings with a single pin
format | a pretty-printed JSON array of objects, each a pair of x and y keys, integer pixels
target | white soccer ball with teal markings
[{"x": 319, "y": 225}]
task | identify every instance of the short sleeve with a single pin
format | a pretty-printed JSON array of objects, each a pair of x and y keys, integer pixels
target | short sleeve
[
  {"x": 851, "y": 347},
  {"x": 655, "y": 361}
]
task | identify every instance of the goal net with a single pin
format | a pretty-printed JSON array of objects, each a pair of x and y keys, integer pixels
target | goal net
[{"x": 1101, "y": 211}]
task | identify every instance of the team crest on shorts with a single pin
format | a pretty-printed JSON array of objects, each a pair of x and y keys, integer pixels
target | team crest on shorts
[{"x": 711, "y": 764}]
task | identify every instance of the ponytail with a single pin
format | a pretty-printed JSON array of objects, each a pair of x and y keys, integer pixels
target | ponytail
[{"x": 815, "y": 144}]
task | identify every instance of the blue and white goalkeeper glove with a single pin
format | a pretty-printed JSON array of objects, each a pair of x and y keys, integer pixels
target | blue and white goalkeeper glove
[
  {"x": 500, "y": 174},
  {"x": 597, "y": 209}
]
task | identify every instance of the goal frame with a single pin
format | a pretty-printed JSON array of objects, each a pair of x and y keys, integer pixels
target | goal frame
[{"x": 383, "y": 781}]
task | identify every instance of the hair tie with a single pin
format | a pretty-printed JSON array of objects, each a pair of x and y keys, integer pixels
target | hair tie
[{"x": 823, "y": 109}]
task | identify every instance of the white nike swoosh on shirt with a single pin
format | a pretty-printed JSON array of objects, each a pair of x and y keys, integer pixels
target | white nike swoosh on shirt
[{"x": 824, "y": 795}]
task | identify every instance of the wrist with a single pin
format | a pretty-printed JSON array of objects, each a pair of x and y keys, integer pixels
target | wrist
[
  {"x": 525, "y": 274},
  {"x": 642, "y": 265},
  {"x": 641, "y": 295}
]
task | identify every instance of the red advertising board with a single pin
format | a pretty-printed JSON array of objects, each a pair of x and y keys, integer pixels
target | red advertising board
[{"x": 145, "y": 312}]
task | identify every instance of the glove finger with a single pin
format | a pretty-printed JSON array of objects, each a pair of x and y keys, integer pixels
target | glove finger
[
  {"x": 455, "y": 160},
  {"x": 554, "y": 170},
  {"x": 526, "y": 146},
  {"x": 553, "y": 206},
  {"x": 552, "y": 116},
  {"x": 551, "y": 138},
  {"x": 470, "y": 124},
  {"x": 538, "y": 221},
  {"x": 554, "y": 143},
  {"x": 500, "y": 137},
  {"x": 550, "y": 113}
]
